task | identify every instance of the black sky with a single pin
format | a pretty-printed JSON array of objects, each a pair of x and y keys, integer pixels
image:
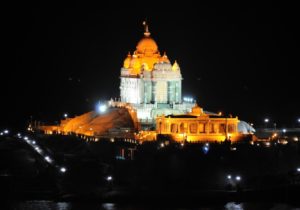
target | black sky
[{"x": 64, "y": 57}]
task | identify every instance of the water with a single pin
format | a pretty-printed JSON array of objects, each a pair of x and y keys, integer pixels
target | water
[{"x": 51, "y": 205}]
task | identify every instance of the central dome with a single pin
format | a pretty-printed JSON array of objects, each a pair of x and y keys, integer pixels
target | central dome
[{"x": 147, "y": 45}]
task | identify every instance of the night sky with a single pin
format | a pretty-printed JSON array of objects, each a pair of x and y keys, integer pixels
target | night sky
[{"x": 64, "y": 57}]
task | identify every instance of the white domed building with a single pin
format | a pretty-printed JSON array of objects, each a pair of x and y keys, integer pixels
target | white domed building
[{"x": 151, "y": 83}]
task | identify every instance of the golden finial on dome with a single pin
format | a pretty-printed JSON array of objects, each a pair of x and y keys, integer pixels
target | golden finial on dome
[
  {"x": 175, "y": 66},
  {"x": 146, "y": 28}
]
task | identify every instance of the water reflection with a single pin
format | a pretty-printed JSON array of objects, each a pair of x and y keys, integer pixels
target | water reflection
[
  {"x": 51, "y": 205},
  {"x": 41, "y": 205},
  {"x": 108, "y": 206},
  {"x": 233, "y": 206},
  {"x": 63, "y": 206}
]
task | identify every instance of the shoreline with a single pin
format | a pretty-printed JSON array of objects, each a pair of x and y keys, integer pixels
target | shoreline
[{"x": 287, "y": 194}]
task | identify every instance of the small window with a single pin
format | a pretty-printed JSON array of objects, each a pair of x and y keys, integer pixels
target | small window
[
  {"x": 222, "y": 128},
  {"x": 174, "y": 128},
  {"x": 193, "y": 128}
]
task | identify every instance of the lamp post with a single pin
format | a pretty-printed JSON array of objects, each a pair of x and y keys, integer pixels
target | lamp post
[
  {"x": 266, "y": 120},
  {"x": 275, "y": 126},
  {"x": 283, "y": 132}
]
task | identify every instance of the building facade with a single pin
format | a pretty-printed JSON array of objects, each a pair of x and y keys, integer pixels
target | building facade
[{"x": 198, "y": 126}]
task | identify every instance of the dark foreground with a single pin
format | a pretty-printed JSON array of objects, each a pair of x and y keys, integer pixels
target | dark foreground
[
  {"x": 68, "y": 169},
  {"x": 66, "y": 205},
  {"x": 286, "y": 194}
]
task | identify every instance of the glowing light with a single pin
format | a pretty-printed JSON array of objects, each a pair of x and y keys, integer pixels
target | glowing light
[
  {"x": 6, "y": 131},
  {"x": 33, "y": 142},
  {"x": 284, "y": 130},
  {"x": 63, "y": 169},
  {"x": 25, "y": 138},
  {"x": 298, "y": 120},
  {"x": 65, "y": 115},
  {"x": 266, "y": 120},
  {"x": 298, "y": 169},
  {"x": 109, "y": 178},
  {"x": 188, "y": 99},
  {"x": 48, "y": 159},
  {"x": 228, "y": 176},
  {"x": 37, "y": 149},
  {"x": 162, "y": 145},
  {"x": 205, "y": 149},
  {"x": 102, "y": 108},
  {"x": 238, "y": 178}
]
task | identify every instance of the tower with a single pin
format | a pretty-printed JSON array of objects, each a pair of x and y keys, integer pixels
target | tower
[{"x": 147, "y": 77}]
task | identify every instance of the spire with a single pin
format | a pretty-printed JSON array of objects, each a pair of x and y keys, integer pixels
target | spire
[
  {"x": 175, "y": 66},
  {"x": 146, "y": 28}
]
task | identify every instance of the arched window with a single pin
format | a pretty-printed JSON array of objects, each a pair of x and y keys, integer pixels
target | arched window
[
  {"x": 231, "y": 128},
  {"x": 201, "y": 128},
  {"x": 193, "y": 128},
  {"x": 174, "y": 128},
  {"x": 222, "y": 128},
  {"x": 212, "y": 128},
  {"x": 183, "y": 128}
]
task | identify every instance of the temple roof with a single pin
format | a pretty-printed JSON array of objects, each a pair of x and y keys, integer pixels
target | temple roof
[
  {"x": 147, "y": 45},
  {"x": 145, "y": 55}
]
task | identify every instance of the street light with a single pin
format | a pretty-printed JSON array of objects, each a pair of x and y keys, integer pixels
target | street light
[
  {"x": 233, "y": 181},
  {"x": 266, "y": 120},
  {"x": 63, "y": 169},
  {"x": 109, "y": 178},
  {"x": 65, "y": 115},
  {"x": 238, "y": 178}
]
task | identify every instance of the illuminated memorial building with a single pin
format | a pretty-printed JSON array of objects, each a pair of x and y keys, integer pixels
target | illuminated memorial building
[
  {"x": 151, "y": 97},
  {"x": 151, "y": 83}
]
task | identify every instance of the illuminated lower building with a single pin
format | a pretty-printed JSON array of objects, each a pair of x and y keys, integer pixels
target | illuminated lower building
[{"x": 198, "y": 126}]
